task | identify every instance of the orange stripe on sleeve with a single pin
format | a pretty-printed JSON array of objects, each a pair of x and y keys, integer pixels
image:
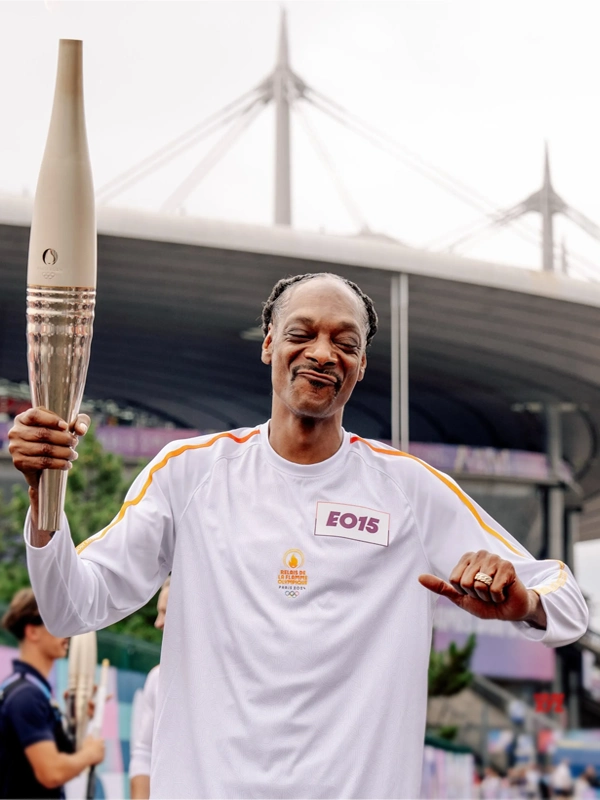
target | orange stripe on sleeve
[
  {"x": 552, "y": 587},
  {"x": 173, "y": 454},
  {"x": 452, "y": 486}
]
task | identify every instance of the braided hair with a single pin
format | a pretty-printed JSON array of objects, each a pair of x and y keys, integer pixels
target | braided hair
[{"x": 275, "y": 300}]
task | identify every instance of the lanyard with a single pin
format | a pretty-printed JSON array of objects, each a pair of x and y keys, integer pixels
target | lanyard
[{"x": 32, "y": 679}]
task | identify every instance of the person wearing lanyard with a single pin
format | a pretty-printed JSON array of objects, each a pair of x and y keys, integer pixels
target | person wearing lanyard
[{"x": 36, "y": 756}]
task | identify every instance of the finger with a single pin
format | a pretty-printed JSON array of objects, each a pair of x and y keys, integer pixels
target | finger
[
  {"x": 466, "y": 580},
  {"x": 486, "y": 563},
  {"x": 81, "y": 424},
  {"x": 37, "y": 449},
  {"x": 482, "y": 589},
  {"x": 439, "y": 586},
  {"x": 505, "y": 576},
  {"x": 45, "y": 462},
  {"x": 456, "y": 574},
  {"x": 40, "y": 434},
  {"x": 41, "y": 417}
]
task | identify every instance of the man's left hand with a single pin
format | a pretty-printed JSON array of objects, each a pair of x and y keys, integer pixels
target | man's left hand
[{"x": 506, "y": 598}]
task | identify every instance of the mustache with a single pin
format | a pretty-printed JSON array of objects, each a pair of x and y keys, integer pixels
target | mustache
[{"x": 309, "y": 368}]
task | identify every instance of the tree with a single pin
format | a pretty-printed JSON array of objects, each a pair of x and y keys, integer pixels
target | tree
[
  {"x": 13, "y": 572},
  {"x": 449, "y": 669},
  {"x": 449, "y": 674},
  {"x": 95, "y": 490}
]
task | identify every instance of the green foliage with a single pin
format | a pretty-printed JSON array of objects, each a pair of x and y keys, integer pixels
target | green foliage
[
  {"x": 448, "y": 732},
  {"x": 95, "y": 490},
  {"x": 13, "y": 572},
  {"x": 449, "y": 669}
]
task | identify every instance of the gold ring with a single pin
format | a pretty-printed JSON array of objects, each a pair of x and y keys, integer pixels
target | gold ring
[{"x": 483, "y": 578}]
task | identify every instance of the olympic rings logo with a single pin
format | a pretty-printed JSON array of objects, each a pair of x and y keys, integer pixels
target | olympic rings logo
[{"x": 293, "y": 593}]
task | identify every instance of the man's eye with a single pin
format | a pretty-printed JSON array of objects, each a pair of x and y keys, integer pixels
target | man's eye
[{"x": 348, "y": 345}]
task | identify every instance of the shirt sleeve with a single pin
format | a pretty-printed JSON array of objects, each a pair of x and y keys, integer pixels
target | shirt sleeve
[
  {"x": 451, "y": 524},
  {"x": 27, "y": 710},
  {"x": 141, "y": 738},
  {"x": 114, "y": 572}
]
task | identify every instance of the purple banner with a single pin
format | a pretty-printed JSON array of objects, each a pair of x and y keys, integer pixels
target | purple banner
[
  {"x": 465, "y": 460},
  {"x": 140, "y": 442},
  {"x": 502, "y": 651},
  {"x": 455, "y": 459}
]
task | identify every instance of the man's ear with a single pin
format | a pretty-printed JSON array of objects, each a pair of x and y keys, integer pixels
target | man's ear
[
  {"x": 363, "y": 367},
  {"x": 32, "y": 632},
  {"x": 267, "y": 346}
]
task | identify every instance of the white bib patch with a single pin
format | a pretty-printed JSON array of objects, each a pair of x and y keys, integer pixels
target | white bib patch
[{"x": 353, "y": 522}]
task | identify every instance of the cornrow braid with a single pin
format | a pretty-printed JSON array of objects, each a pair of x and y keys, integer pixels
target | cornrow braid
[{"x": 274, "y": 301}]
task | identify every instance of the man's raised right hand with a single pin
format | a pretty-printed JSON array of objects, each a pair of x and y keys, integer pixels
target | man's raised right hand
[{"x": 40, "y": 439}]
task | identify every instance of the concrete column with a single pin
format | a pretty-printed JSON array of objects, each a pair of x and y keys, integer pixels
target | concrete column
[
  {"x": 556, "y": 503},
  {"x": 399, "y": 362}
]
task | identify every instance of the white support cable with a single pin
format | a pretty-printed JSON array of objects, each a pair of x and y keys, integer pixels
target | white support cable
[
  {"x": 177, "y": 146},
  {"x": 472, "y": 241},
  {"x": 503, "y": 220},
  {"x": 448, "y": 240},
  {"x": 464, "y": 233},
  {"x": 345, "y": 196},
  {"x": 582, "y": 263},
  {"x": 391, "y": 150},
  {"x": 476, "y": 199},
  {"x": 582, "y": 222},
  {"x": 445, "y": 181},
  {"x": 175, "y": 200}
]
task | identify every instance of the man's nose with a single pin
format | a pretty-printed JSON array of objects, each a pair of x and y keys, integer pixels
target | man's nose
[{"x": 321, "y": 351}]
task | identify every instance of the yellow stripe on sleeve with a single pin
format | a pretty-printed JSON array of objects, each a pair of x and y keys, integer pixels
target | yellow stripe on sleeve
[
  {"x": 451, "y": 485},
  {"x": 552, "y": 587},
  {"x": 173, "y": 454}
]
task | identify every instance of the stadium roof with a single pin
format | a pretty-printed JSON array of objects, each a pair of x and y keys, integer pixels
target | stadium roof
[{"x": 179, "y": 302}]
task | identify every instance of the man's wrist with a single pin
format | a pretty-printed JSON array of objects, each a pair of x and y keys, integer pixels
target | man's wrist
[
  {"x": 536, "y": 615},
  {"x": 38, "y": 538}
]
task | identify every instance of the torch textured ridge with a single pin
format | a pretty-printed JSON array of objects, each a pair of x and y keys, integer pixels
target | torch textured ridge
[{"x": 59, "y": 337}]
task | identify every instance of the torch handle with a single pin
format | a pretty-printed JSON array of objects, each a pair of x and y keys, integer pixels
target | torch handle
[{"x": 59, "y": 337}]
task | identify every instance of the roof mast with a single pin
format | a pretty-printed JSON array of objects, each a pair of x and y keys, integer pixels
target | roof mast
[{"x": 281, "y": 96}]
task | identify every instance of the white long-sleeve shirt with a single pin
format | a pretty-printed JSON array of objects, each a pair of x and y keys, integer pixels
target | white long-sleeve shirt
[
  {"x": 295, "y": 651},
  {"x": 141, "y": 733}
]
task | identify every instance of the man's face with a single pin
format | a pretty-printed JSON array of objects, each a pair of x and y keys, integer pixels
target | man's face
[
  {"x": 51, "y": 646},
  {"x": 161, "y": 609},
  {"x": 316, "y": 348}
]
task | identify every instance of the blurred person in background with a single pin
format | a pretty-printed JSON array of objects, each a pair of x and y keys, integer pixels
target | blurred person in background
[
  {"x": 533, "y": 777},
  {"x": 490, "y": 787},
  {"x": 561, "y": 780},
  {"x": 36, "y": 755},
  {"x": 141, "y": 735},
  {"x": 586, "y": 784}
]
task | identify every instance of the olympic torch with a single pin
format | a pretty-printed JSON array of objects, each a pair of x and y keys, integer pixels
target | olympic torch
[
  {"x": 61, "y": 273},
  {"x": 83, "y": 654}
]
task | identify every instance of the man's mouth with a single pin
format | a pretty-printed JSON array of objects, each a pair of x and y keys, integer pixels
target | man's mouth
[{"x": 321, "y": 377}]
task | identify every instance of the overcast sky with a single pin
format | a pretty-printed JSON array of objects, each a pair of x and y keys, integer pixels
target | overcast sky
[{"x": 475, "y": 87}]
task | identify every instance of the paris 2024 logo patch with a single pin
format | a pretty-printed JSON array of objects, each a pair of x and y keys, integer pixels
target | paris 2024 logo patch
[{"x": 293, "y": 579}]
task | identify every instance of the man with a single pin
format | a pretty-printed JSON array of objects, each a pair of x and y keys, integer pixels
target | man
[
  {"x": 36, "y": 755},
  {"x": 295, "y": 659},
  {"x": 141, "y": 733}
]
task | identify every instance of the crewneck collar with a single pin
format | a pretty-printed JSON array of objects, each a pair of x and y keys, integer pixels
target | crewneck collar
[{"x": 330, "y": 464}]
